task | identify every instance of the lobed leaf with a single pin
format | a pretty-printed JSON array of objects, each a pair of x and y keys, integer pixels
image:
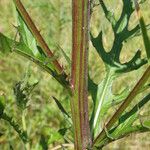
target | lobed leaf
[
  {"x": 42, "y": 61},
  {"x": 23, "y": 89}
]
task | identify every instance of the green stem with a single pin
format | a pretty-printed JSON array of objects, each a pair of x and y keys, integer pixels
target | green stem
[
  {"x": 60, "y": 78},
  {"x": 23, "y": 117},
  {"x": 24, "y": 121}
]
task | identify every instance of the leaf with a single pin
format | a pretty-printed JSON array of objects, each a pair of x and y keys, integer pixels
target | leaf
[
  {"x": 1, "y": 105},
  {"x": 126, "y": 121},
  {"x": 146, "y": 124},
  {"x": 123, "y": 24},
  {"x": 22, "y": 49},
  {"x": 27, "y": 38},
  {"x": 22, "y": 134},
  {"x": 63, "y": 131},
  {"x": 5, "y": 46},
  {"x": 65, "y": 56},
  {"x": 1, "y": 134},
  {"x": 105, "y": 99},
  {"x": 55, "y": 136},
  {"x": 112, "y": 101},
  {"x": 11, "y": 147},
  {"x": 43, "y": 142},
  {"x": 92, "y": 87},
  {"x": 97, "y": 42},
  {"x": 108, "y": 14},
  {"x": 145, "y": 38},
  {"x": 142, "y": 1},
  {"x": 103, "y": 94},
  {"x": 23, "y": 89},
  {"x": 61, "y": 107}
]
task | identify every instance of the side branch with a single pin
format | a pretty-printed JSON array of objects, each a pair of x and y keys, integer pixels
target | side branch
[{"x": 37, "y": 34}]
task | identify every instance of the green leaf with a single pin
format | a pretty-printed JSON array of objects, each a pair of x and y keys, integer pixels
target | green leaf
[
  {"x": 23, "y": 89},
  {"x": 123, "y": 24},
  {"x": 8, "y": 45},
  {"x": 5, "y": 46},
  {"x": 61, "y": 107},
  {"x": 22, "y": 49},
  {"x": 108, "y": 101},
  {"x": 43, "y": 142},
  {"x": 146, "y": 124},
  {"x": 108, "y": 14},
  {"x": 54, "y": 136},
  {"x": 104, "y": 93},
  {"x": 1, "y": 134},
  {"x": 142, "y": 1},
  {"x": 27, "y": 38},
  {"x": 126, "y": 121},
  {"x": 22, "y": 134},
  {"x": 65, "y": 56},
  {"x": 64, "y": 112},
  {"x": 63, "y": 131},
  {"x": 1, "y": 105},
  {"x": 104, "y": 100}
]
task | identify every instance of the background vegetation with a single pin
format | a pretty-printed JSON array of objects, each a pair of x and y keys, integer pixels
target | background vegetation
[{"x": 44, "y": 119}]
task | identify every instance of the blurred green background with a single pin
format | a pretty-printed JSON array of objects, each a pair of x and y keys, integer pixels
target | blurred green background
[{"x": 53, "y": 19}]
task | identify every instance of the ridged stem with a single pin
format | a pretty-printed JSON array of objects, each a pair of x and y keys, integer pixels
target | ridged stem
[{"x": 79, "y": 77}]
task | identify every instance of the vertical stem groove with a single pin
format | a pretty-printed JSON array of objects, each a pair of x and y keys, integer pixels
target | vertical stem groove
[{"x": 79, "y": 77}]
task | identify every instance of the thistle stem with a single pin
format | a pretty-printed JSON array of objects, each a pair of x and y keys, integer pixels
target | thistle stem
[{"x": 79, "y": 77}]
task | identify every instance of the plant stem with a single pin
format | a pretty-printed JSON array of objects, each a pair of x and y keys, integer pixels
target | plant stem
[
  {"x": 24, "y": 121},
  {"x": 16, "y": 127},
  {"x": 27, "y": 145},
  {"x": 59, "y": 78},
  {"x": 37, "y": 34},
  {"x": 79, "y": 77},
  {"x": 123, "y": 106}
]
